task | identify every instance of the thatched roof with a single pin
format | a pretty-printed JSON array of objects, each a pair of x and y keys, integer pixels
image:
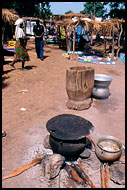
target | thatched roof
[
  {"x": 9, "y": 16},
  {"x": 102, "y": 28},
  {"x": 106, "y": 27},
  {"x": 70, "y": 15},
  {"x": 65, "y": 22},
  {"x": 32, "y": 18}
]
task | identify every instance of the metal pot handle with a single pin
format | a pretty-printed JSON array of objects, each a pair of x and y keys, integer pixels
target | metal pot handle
[{"x": 123, "y": 147}]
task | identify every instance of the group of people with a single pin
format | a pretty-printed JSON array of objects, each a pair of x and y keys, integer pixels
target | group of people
[{"x": 21, "y": 54}]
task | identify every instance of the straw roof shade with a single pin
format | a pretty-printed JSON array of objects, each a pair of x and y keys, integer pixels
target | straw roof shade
[
  {"x": 105, "y": 27},
  {"x": 65, "y": 22},
  {"x": 71, "y": 15},
  {"x": 32, "y": 18},
  {"x": 9, "y": 16}
]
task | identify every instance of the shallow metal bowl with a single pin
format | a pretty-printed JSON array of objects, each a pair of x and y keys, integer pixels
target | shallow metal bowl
[{"x": 108, "y": 155}]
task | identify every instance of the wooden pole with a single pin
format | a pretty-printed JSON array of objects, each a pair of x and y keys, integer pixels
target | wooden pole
[
  {"x": 66, "y": 31},
  {"x": 104, "y": 44},
  {"x": 69, "y": 42},
  {"x": 117, "y": 54},
  {"x": 74, "y": 36},
  {"x": 112, "y": 41}
]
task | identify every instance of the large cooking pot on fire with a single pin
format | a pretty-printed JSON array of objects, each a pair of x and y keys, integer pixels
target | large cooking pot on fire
[
  {"x": 68, "y": 133},
  {"x": 108, "y": 148}
]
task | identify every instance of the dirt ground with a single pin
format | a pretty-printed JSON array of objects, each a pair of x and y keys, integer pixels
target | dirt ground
[{"x": 44, "y": 97}]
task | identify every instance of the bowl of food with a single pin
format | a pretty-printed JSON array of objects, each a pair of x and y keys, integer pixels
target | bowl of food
[{"x": 108, "y": 148}]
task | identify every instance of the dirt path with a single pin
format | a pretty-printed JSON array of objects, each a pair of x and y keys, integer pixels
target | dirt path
[{"x": 45, "y": 98}]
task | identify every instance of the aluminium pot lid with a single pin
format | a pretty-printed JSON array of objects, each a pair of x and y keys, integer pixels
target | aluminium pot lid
[{"x": 69, "y": 127}]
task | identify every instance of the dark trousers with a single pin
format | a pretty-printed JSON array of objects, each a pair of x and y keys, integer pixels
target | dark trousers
[{"x": 39, "y": 47}]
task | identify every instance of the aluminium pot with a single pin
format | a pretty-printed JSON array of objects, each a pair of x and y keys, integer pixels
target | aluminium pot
[
  {"x": 108, "y": 155},
  {"x": 101, "y": 86},
  {"x": 100, "y": 92}
]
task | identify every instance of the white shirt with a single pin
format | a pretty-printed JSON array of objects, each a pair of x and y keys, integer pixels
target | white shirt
[{"x": 19, "y": 32}]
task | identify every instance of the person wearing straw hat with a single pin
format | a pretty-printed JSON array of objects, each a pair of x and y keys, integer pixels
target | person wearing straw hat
[{"x": 20, "y": 45}]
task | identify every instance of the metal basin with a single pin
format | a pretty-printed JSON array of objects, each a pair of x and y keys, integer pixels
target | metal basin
[
  {"x": 101, "y": 80},
  {"x": 108, "y": 148}
]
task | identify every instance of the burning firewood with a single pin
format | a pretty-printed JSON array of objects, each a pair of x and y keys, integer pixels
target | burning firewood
[
  {"x": 102, "y": 175},
  {"x": 107, "y": 175},
  {"x": 85, "y": 176},
  {"x": 77, "y": 169},
  {"x": 73, "y": 174}
]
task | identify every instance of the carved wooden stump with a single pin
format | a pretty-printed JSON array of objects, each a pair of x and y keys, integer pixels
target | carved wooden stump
[{"x": 79, "y": 85}]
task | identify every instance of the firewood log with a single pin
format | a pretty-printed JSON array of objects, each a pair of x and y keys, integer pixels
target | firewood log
[
  {"x": 86, "y": 177},
  {"x": 22, "y": 168},
  {"x": 107, "y": 175},
  {"x": 73, "y": 174},
  {"x": 102, "y": 175}
]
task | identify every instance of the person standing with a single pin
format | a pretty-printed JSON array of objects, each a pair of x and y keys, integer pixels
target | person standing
[
  {"x": 38, "y": 31},
  {"x": 20, "y": 45}
]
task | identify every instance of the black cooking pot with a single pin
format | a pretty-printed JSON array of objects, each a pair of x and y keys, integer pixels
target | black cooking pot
[
  {"x": 68, "y": 133},
  {"x": 64, "y": 147}
]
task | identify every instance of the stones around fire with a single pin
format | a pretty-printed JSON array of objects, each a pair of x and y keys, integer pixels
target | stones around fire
[
  {"x": 46, "y": 142},
  {"x": 117, "y": 173},
  {"x": 51, "y": 165},
  {"x": 92, "y": 161},
  {"x": 86, "y": 153}
]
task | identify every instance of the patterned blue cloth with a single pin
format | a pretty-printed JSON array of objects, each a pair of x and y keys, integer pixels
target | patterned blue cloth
[{"x": 98, "y": 62}]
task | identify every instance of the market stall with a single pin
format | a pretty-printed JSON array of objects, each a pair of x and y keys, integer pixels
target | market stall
[{"x": 106, "y": 29}]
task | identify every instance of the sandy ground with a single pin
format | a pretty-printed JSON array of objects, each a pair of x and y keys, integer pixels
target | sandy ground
[{"x": 45, "y": 98}]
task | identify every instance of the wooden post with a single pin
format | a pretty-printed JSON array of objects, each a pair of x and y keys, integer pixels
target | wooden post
[
  {"x": 117, "y": 54},
  {"x": 112, "y": 41},
  {"x": 74, "y": 36},
  {"x": 105, "y": 44},
  {"x": 69, "y": 42},
  {"x": 91, "y": 42},
  {"x": 66, "y": 31}
]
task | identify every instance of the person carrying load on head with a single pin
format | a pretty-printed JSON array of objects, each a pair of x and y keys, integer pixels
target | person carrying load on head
[{"x": 20, "y": 45}]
